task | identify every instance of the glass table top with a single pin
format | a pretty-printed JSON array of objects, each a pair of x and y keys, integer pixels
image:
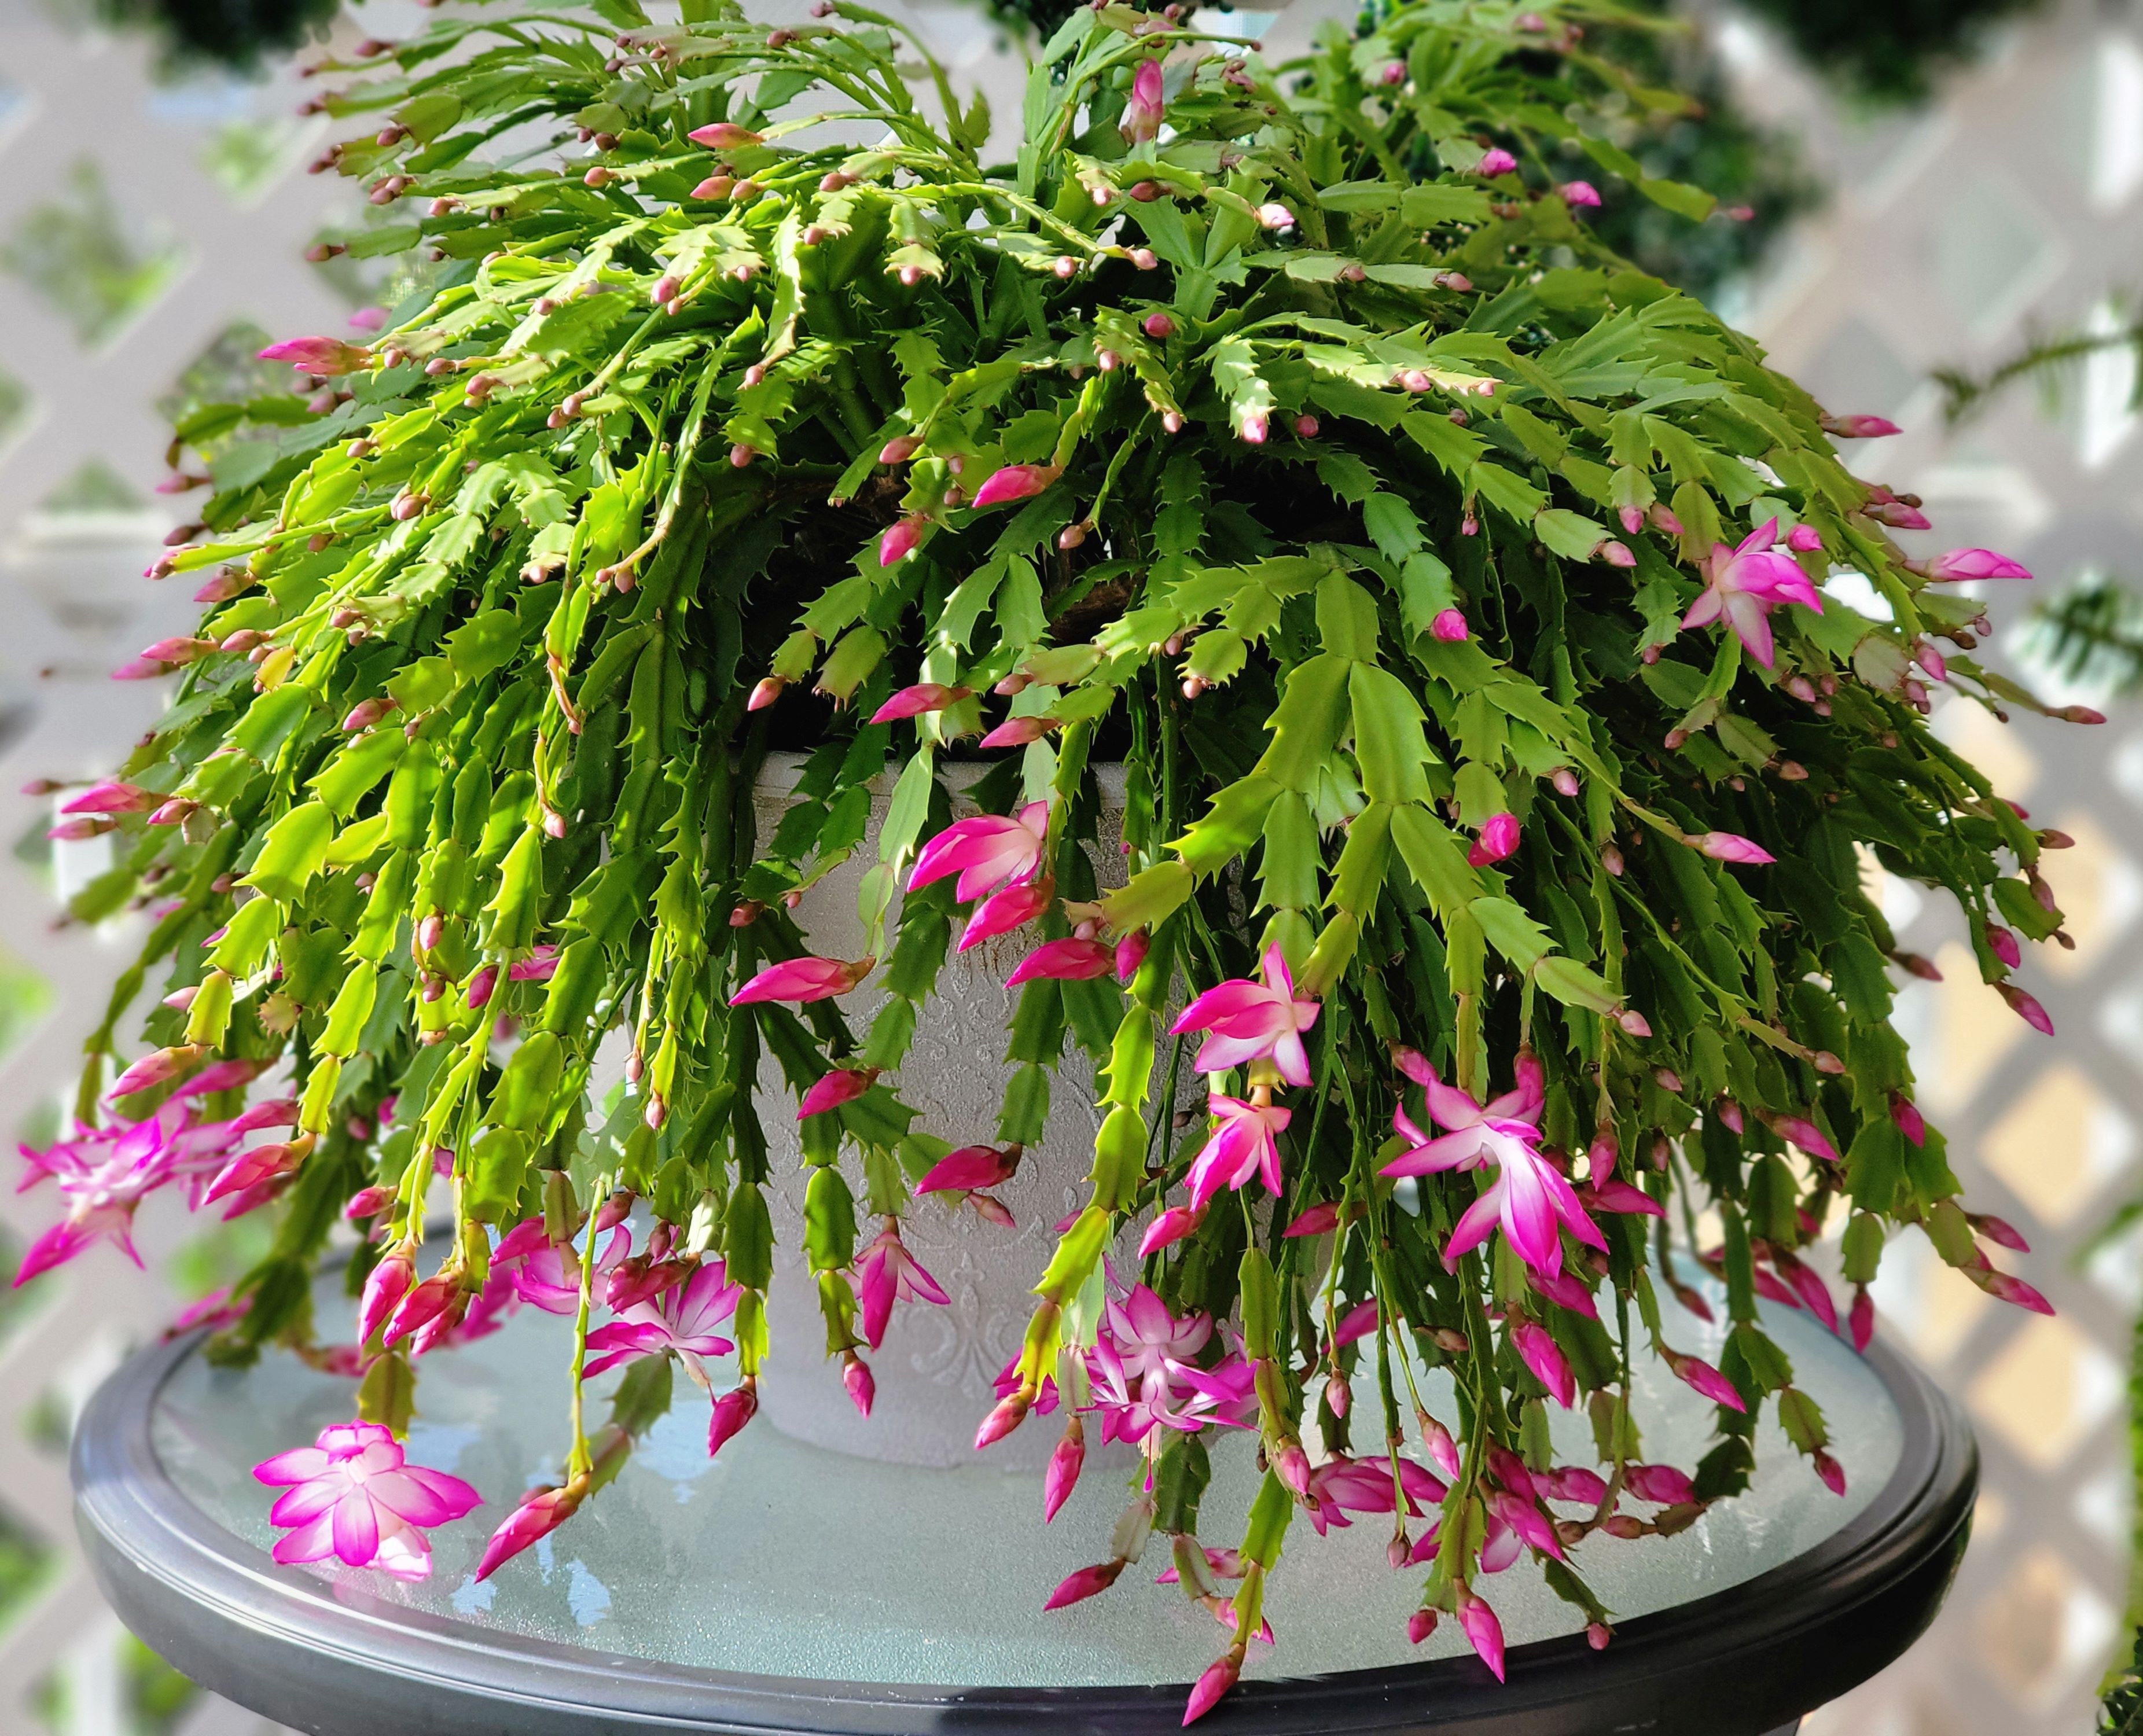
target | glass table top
[{"x": 778, "y": 1558}]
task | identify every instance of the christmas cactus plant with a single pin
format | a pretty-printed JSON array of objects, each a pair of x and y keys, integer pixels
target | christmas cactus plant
[{"x": 1496, "y": 775}]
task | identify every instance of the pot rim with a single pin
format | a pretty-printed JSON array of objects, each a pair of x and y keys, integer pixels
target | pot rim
[{"x": 344, "y": 1662}]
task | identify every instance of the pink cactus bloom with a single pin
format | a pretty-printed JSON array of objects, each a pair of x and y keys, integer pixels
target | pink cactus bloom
[
  {"x": 724, "y": 136},
  {"x": 887, "y": 1272},
  {"x": 1015, "y": 481},
  {"x": 1131, "y": 953},
  {"x": 843, "y": 1085},
  {"x": 158, "y": 1068},
  {"x": 1962, "y": 564},
  {"x": 1356, "y": 1323},
  {"x": 1732, "y": 846},
  {"x": 1142, "y": 114},
  {"x": 111, "y": 796},
  {"x": 1744, "y": 583},
  {"x": 1252, "y": 1021},
  {"x": 1580, "y": 195},
  {"x": 1620, "y": 1196},
  {"x": 969, "y": 1167},
  {"x": 251, "y": 1172},
  {"x": 900, "y": 539},
  {"x": 540, "y": 966},
  {"x": 1449, "y": 628},
  {"x": 918, "y": 701},
  {"x": 1014, "y": 907},
  {"x": 1143, "y": 1377},
  {"x": 1065, "y": 961},
  {"x": 986, "y": 850},
  {"x": 1483, "y": 1631},
  {"x": 1538, "y": 1349},
  {"x": 541, "y": 1511},
  {"x": 1242, "y": 1144},
  {"x": 682, "y": 1320},
  {"x": 1529, "y": 1197},
  {"x": 353, "y": 1495},
  {"x": 1804, "y": 539},
  {"x": 1565, "y": 1289},
  {"x": 804, "y": 979},
  {"x": 1497, "y": 842},
  {"x": 319, "y": 355},
  {"x": 546, "y": 1274},
  {"x": 1342, "y": 1485},
  {"x": 1496, "y": 160}
]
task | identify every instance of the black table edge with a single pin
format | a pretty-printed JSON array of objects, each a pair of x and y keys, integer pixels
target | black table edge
[{"x": 339, "y": 1661}]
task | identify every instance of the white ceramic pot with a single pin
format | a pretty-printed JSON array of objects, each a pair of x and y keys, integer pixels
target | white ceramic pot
[{"x": 935, "y": 1369}]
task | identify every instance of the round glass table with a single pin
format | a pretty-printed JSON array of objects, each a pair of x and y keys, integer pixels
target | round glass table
[{"x": 783, "y": 1588}]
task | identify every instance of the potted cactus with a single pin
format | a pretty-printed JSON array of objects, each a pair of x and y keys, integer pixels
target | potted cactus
[{"x": 1336, "y": 659}]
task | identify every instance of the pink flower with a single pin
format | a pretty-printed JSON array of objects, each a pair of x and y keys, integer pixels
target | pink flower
[
  {"x": 724, "y": 136},
  {"x": 1496, "y": 160},
  {"x": 1253, "y": 1021},
  {"x": 546, "y": 1274},
  {"x": 1483, "y": 1631},
  {"x": 1498, "y": 840},
  {"x": 319, "y": 355},
  {"x": 1695, "y": 1371},
  {"x": 1071, "y": 960},
  {"x": 986, "y": 850},
  {"x": 1744, "y": 583},
  {"x": 916, "y": 701},
  {"x": 104, "y": 1173},
  {"x": 900, "y": 538},
  {"x": 1974, "y": 563},
  {"x": 1342, "y": 1485},
  {"x": 1449, "y": 628},
  {"x": 541, "y": 1511},
  {"x": 1142, "y": 113},
  {"x": 1015, "y": 481},
  {"x": 887, "y": 1272},
  {"x": 110, "y": 797},
  {"x": 804, "y": 979},
  {"x": 354, "y": 1496},
  {"x": 1538, "y": 1349},
  {"x": 844, "y": 1085},
  {"x": 1578, "y": 194},
  {"x": 1242, "y": 1146},
  {"x": 1001, "y": 912},
  {"x": 1529, "y": 1197},
  {"x": 682, "y": 1320}
]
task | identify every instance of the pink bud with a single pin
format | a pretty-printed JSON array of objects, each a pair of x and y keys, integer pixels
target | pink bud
[
  {"x": 1306, "y": 426},
  {"x": 733, "y": 1410},
  {"x": 842, "y": 1085},
  {"x": 1580, "y": 195},
  {"x": 1804, "y": 539},
  {"x": 1496, "y": 160},
  {"x": 765, "y": 693},
  {"x": 1614, "y": 553},
  {"x": 1731, "y": 846},
  {"x": 366, "y": 713},
  {"x": 856, "y": 1376},
  {"x": 900, "y": 539},
  {"x": 1633, "y": 1022},
  {"x": 1016, "y": 732},
  {"x": 724, "y": 136},
  {"x": 1158, "y": 324},
  {"x": 919, "y": 700},
  {"x": 1420, "y": 1625},
  {"x": 1906, "y": 1115},
  {"x": 1860, "y": 1319},
  {"x": 1859, "y": 428},
  {"x": 2026, "y": 1007},
  {"x": 1009, "y": 1413},
  {"x": 1087, "y": 1582},
  {"x": 1015, "y": 481},
  {"x": 1483, "y": 1631},
  {"x": 1131, "y": 953},
  {"x": 1829, "y": 1470},
  {"x": 1498, "y": 840},
  {"x": 1565, "y": 781},
  {"x": 1275, "y": 217},
  {"x": 2003, "y": 1288},
  {"x": 1205, "y": 1693},
  {"x": 1974, "y": 563},
  {"x": 1065, "y": 1464},
  {"x": 2001, "y": 943},
  {"x": 1315, "y": 1221},
  {"x": 1449, "y": 626},
  {"x": 1707, "y": 1380}
]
